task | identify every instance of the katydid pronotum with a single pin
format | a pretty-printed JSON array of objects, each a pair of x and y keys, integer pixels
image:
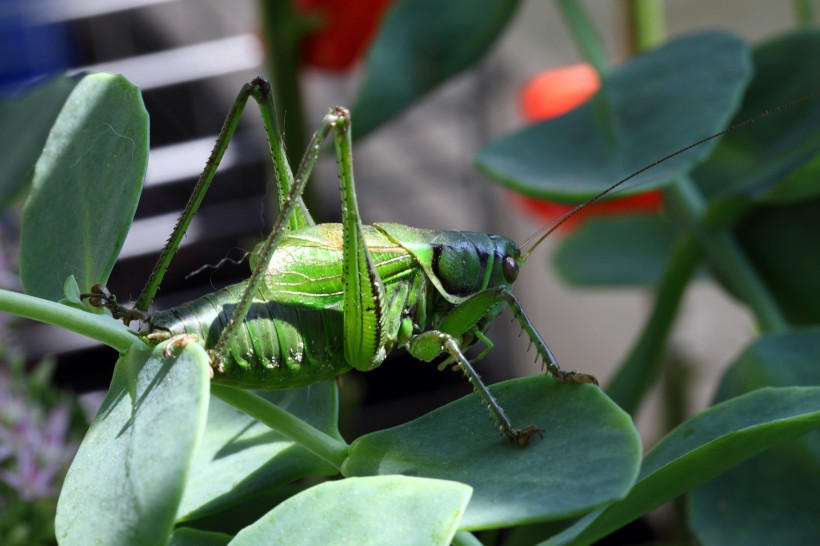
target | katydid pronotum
[{"x": 324, "y": 299}]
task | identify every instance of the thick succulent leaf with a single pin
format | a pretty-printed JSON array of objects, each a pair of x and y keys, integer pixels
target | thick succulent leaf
[
  {"x": 395, "y": 510},
  {"x": 776, "y": 158},
  {"x": 85, "y": 187},
  {"x": 239, "y": 457},
  {"x": 782, "y": 242},
  {"x": 619, "y": 251},
  {"x": 420, "y": 44},
  {"x": 645, "y": 110},
  {"x": 700, "y": 449},
  {"x": 587, "y": 457},
  {"x": 127, "y": 478},
  {"x": 772, "y": 498},
  {"x": 25, "y": 121}
]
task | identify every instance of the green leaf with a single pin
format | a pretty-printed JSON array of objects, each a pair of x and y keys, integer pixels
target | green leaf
[
  {"x": 240, "y": 457},
  {"x": 781, "y": 243},
  {"x": 618, "y": 251},
  {"x": 772, "y": 498},
  {"x": 393, "y": 510},
  {"x": 25, "y": 121},
  {"x": 85, "y": 187},
  {"x": 774, "y": 159},
  {"x": 185, "y": 536},
  {"x": 700, "y": 449},
  {"x": 127, "y": 478},
  {"x": 420, "y": 44},
  {"x": 588, "y": 456},
  {"x": 646, "y": 109}
]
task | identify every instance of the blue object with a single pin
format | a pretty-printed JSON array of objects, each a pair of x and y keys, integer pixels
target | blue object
[{"x": 30, "y": 47}]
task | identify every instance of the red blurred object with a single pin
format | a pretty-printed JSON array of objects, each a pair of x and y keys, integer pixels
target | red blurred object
[
  {"x": 554, "y": 93},
  {"x": 547, "y": 211},
  {"x": 350, "y": 26}
]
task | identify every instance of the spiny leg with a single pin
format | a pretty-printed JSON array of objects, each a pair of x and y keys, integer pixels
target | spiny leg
[
  {"x": 488, "y": 346},
  {"x": 265, "y": 251},
  {"x": 429, "y": 344},
  {"x": 364, "y": 306},
  {"x": 259, "y": 89},
  {"x": 548, "y": 359}
]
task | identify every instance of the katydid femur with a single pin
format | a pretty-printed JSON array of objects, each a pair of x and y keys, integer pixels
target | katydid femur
[{"x": 323, "y": 299}]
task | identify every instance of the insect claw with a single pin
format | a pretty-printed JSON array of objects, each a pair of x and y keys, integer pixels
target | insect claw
[
  {"x": 524, "y": 436},
  {"x": 178, "y": 341},
  {"x": 577, "y": 377}
]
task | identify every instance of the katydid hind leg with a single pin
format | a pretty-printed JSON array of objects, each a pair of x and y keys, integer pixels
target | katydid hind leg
[
  {"x": 260, "y": 91},
  {"x": 364, "y": 300},
  {"x": 364, "y": 297},
  {"x": 284, "y": 220}
]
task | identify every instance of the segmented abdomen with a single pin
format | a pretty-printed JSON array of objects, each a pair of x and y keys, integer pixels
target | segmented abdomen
[{"x": 278, "y": 346}]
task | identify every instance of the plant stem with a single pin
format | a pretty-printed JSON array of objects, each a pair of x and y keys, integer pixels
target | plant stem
[
  {"x": 804, "y": 12},
  {"x": 284, "y": 29},
  {"x": 640, "y": 369},
  {"x": 648, "y": 26},
  {"x": 725, "y": 256},
  {"x": 307, "y": 436},
  {"x": 99, "y": 327},
  {"x": 464, "y": 538},
  {"x": 586, "y": 36}
]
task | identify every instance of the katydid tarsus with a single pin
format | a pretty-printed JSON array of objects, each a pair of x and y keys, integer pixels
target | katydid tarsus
[{"x": 324, "y": 299}]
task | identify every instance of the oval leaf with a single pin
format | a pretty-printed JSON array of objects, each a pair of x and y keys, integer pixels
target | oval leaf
[
  {"x": 646, "y": 109},
  {"x": 393, "y": 510},
  {"x": 763, "y": 161},
  {"x": 85, "y": 187},
  {"x": 415, "y": 51},
  {"x": 25, "y": 121},
  {"x": 239, "y": 457},
  {"x": 127, "y": 478},
  {"x": 772, "y": 498},
  {"x": 700, "y": 449},
  {"x": 780, "y": 243},
  {"x": 622, "y": 251},
  {"x": 588, "y": 456}
]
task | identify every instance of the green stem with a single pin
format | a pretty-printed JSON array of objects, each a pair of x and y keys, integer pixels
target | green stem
[
  {"x": 648, "y": 25},
  {"x": 463, "y": 538},
  {"x": 642, "y": 366},
  {"x": 804, "y": 12},
  {"x": 100, "y": 327},
  {"x": 589, "y": 42},
  {"x": 725, "y": 256},
  {"x": 314, "y": 440},
  {"x": 284, "y": 30}
]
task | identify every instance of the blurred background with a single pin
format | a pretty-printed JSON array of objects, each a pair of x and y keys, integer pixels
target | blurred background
[{"x": 190, "y": 57}]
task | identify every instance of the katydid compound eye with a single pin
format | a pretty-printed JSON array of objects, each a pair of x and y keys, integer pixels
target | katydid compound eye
[{"x": 510, "y": 268}]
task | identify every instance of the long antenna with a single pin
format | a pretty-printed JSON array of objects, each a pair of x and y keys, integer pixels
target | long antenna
[{"x": 549, "y": 228}]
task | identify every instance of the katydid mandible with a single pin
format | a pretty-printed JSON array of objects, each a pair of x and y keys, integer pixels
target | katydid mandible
[{"x": 324, "y": 299}]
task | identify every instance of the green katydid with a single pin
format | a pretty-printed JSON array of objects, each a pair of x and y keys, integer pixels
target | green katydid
[{"x": 324, "y": 299}]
